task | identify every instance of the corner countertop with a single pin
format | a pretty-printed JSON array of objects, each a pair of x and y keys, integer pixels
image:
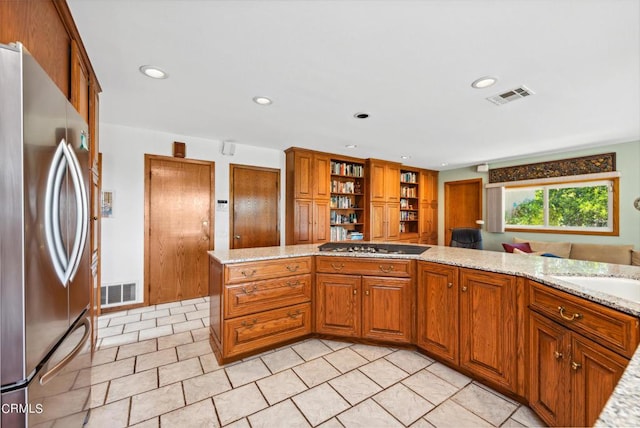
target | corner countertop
[
  {"x": 621, "y": 409},
  {"x": 540, "y": 269}
]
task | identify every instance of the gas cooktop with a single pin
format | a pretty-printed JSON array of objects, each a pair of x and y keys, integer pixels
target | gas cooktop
[{"x": 365, "y": 247}]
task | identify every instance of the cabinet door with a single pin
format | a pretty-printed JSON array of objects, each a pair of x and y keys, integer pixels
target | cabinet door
[
  {"x": 428, "y": 223},
  {"x": 488, "y": 326},
  {"x": 392, "y": 183},
  {"x": 321, "y": 176},
  {"x": 387, "y": 309},
  {"x": 548, "y": 375},
  {"x": 378, "y": 221},
  {"x": 338, "y": 304},
  {"x": 438, "y": 310},
  {"x": 303, "y": 219},
  {"x": 303, "y": 175},
  {"x": 321, "y": 221},
  {"x": 377, "y": 182},
  {"x": 79, "y": 82},
  {"x": 429, "y": 186},
  {"x": 392, "y": 214},
  {"x": 595, "y": 371}
]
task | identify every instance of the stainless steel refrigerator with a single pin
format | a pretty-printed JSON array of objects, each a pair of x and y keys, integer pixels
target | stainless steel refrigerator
[{"x": 45, "y": 259}]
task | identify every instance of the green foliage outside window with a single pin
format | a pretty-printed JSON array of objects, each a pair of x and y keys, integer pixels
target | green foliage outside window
[{"x": 579, "y": 206}]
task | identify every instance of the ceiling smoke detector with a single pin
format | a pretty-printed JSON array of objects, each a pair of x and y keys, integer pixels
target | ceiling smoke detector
[
  {"x": 512, "y": 95},
  {"x": 361, "y": 115}
]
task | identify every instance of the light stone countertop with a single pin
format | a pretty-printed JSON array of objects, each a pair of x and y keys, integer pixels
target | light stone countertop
[{"x": 622, "y": 409}]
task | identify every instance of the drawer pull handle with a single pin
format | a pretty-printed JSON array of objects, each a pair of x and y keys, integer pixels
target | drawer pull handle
[
  {"x": 248, "y": 274},
  {"x": 293, "y": 315},
  {"x": 557, "y": 355},
  {"x": 386, "y": 269},
  {"x": 571, "y": 318},
  {"x": 249, "y": 290},
  {"x": 249, "y": 324},
  {"x": 575, "y": 366},
  {"x": 293, "y": 284},
  {"x": 337, "y": 266},
  {"x": 293, "y": 268}
]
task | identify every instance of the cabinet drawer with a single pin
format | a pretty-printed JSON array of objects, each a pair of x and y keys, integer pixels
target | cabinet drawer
[
  {"x": 253, "y": 332},
  {"x": 610, "y": 328},
  {"x": 254, "y": 271},
  {"x": 367, "y": 267},
  {"x": 258, "y": 296}
]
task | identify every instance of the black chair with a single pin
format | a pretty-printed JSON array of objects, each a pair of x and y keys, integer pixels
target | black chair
[{"x": 466, "y": 238}]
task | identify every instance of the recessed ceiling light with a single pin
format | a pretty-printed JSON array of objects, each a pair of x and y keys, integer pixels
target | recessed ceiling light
[
  {"x": 153, "y": 72},
  {"x": 361, "y": 115},
  {"x": 404, "y": 157},
  {"x": 484, "y": 82},
  {"x": 444, "y": 164},
  {"x": 351, "y": 146},
  {"x": 263, "y": 101}
]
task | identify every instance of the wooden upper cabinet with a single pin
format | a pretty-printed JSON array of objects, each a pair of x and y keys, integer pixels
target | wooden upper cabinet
[
  {"x": 429, "y": 186},
  {"x": 384, "y": 181},
  {"x": 302, "y": 174},
  {"x": 488, "y": 344},
  {"x": 322, "y": 176},
  {"x": 79, "y": 82}
]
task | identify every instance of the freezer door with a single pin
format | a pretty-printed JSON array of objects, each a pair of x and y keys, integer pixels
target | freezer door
[
  {"x": 46, "y": 299},
  {"x": 60, "y": 392}
]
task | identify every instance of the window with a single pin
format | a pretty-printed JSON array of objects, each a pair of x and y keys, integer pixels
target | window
[{"x": 574, "y": 207}]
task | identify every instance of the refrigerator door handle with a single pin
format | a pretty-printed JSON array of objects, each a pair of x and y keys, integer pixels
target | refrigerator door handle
[
  {"x": 82, "y": 211},
  {"x": 55, "y": 243},
  {"x": 51, "y": 373}
]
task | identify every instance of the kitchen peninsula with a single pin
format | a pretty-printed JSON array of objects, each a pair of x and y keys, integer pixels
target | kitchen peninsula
[{"x": 504, "y": 319}]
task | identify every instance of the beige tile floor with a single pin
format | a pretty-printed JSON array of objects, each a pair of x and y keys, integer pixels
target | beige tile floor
[{"x": 154, "y": 368}]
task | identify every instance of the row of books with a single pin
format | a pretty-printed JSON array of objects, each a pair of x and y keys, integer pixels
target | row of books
[
  {"x": 405, "y": 204},
  {"x": 408, "y": 215},
  {"x": 345, "y": 187},
  {"x": 409, "y": 192},
  {"x": 408, "y": 177},
  {"x": 338, "y": 233},
  {"x": 342, "y": 202},
  {"x": 337, "y": 218},
  {"x": 348, "y": 169}
]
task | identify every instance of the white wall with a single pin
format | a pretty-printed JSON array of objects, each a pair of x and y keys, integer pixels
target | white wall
[
  {"x": 627, "y": 163},
  {"x": 123, "y": 149}
]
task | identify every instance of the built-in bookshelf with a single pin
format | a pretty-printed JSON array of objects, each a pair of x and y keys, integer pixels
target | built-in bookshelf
[
  {"x": 409, "y": 203},
  {"x": 347, "y": 200}
]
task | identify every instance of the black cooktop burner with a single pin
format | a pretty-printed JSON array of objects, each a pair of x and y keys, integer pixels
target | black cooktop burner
[{"x": 365, "y": 247}]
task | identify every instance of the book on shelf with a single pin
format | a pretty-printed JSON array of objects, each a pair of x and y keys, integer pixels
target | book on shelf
[{"x": 347, "y": 169}]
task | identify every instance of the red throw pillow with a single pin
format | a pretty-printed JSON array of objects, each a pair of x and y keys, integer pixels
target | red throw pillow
[{"x": 522, "y": 246}]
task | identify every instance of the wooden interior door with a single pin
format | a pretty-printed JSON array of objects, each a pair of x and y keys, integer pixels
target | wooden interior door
[
  {"x": 178, "y": 228},
  {"x": 255, "y": 206},
  {"x": 462, "y": 205}
]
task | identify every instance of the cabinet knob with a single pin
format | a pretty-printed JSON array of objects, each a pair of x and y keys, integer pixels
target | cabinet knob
[
  {"x": 449, "y": 284},
  {"x": 464, "y": 288},
  {"x": 575, "y": 366},
  {"x": 355, "y": 291},
  {"x": 366, "y": 293},
  {"x": 558, "y": 355}
]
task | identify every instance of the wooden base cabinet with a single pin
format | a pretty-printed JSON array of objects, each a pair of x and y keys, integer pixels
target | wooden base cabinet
[
  {"x": 257, "y": 305},
  {"x": 438, "y": 313},
  {"x": 571, "y": 377},
  {"x": 365, "y": 306},
  {"x": 488, "y": 346}
]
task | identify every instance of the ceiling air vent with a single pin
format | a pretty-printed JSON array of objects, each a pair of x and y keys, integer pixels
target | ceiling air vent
[{"x": 512, "y": 95}]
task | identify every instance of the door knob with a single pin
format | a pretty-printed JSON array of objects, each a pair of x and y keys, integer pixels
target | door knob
[{"x": 237, "y": 236}]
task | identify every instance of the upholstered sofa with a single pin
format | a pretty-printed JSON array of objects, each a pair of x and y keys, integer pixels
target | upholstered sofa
[{"x": 618, "y": 254}]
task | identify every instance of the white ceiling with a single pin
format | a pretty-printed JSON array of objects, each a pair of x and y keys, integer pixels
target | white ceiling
[{"x": 409, "y": 64}]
